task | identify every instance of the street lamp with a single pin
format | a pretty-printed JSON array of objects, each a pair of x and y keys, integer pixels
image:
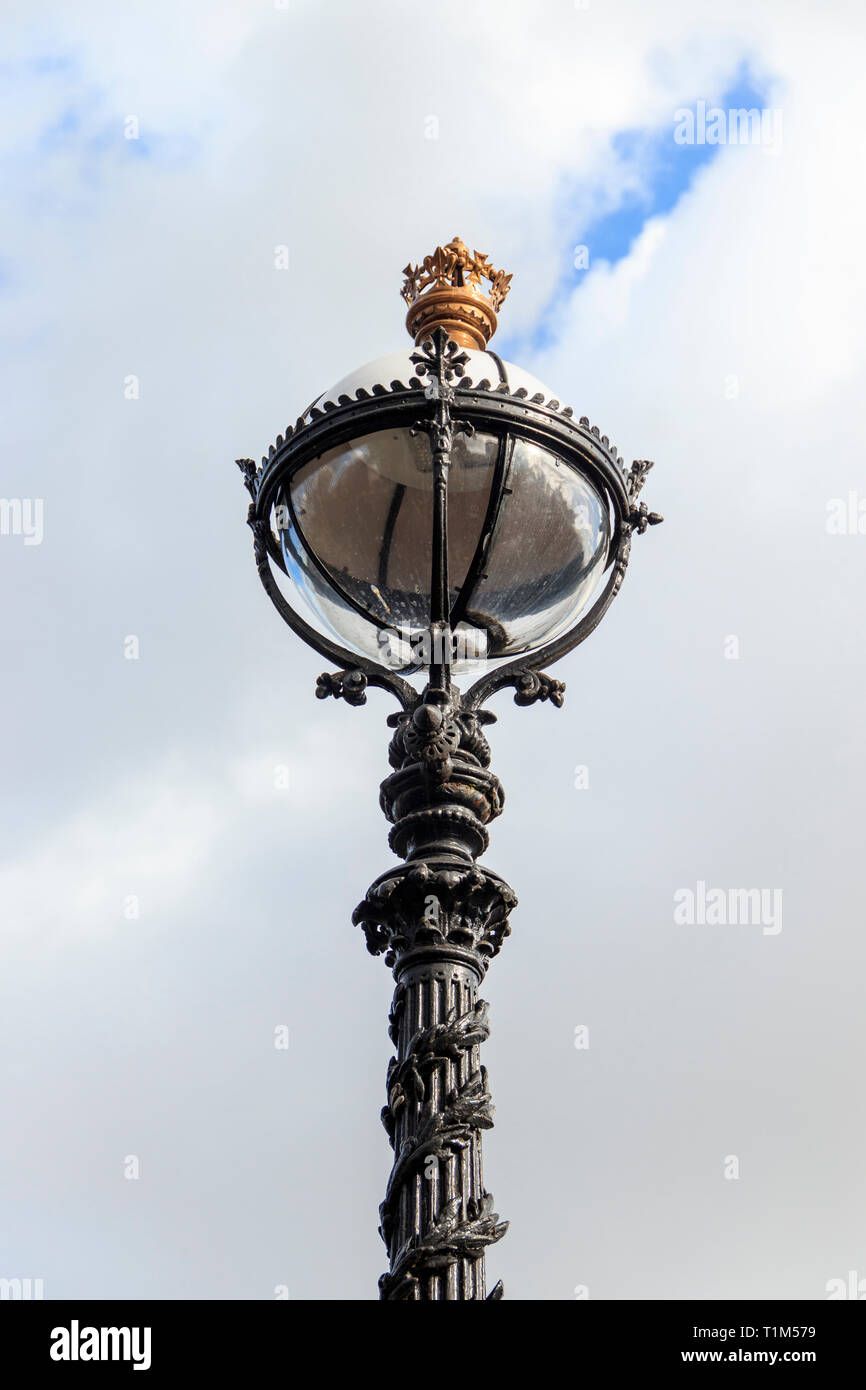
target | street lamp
[{"x": 440, "y": 512}]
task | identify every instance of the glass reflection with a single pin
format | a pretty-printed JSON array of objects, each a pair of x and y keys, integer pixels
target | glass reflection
[
  {"x": 548, "y": 550},
  {"x": 362, "y": 512},
  {"x": 356, "y": 534}
]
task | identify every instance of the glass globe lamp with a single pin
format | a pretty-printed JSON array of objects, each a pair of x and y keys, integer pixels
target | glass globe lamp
[{"x": 442, "y": 496}]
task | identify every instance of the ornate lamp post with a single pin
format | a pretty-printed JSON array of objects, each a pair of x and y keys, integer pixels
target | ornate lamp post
[{"x": 436, "y": 512}]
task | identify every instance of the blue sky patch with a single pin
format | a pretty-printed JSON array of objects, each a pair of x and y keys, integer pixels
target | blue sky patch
[{"x": 663, "y": 171}]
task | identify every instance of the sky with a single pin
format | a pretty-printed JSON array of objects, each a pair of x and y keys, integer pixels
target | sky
[{"x": 186, "y": 829}]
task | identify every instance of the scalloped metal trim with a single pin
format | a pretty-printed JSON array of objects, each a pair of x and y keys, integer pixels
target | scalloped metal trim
[{"x": 323, "y": 407}]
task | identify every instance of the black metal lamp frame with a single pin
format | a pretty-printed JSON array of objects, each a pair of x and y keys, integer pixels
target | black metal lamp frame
[{"x": 439, "y": 918}]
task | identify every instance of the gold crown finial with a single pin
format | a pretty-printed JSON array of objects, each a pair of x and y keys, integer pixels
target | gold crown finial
[{"x": 445, "y": 291}]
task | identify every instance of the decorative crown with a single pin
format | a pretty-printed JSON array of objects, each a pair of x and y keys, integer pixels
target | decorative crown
[{"x": 446, "y": 291}]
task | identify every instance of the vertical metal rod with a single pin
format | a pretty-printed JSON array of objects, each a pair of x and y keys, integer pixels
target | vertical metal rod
[
  {"x": 440, "y": 613},
  {"x": 439, "y": 360}
]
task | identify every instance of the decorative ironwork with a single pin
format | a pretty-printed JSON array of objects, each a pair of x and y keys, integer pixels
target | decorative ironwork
[
  {"x": 535, "y": 685},
  {"x": 351, "y": 686},
  {"x": 637, "y": 476},
  {"x": 328, "y": 411},
  {"x": 251, "y": 476},
  {"x": 423, "y": 906},
  {"x": 640, "y": 518},
  {"x": 440, "y": 359}
]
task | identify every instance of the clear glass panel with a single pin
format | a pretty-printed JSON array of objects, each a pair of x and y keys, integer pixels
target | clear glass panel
[
  {"x": 357, "y": 542},
  {"x": 547, "y": 554},
  {"x": 364, "y": 512},
  {"x": 324, "y": 602}
]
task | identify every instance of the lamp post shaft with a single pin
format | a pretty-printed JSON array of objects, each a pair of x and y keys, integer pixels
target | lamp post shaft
[
  {"x": 439, "y": 918},
  {"x": 435, "y": 1007}
]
